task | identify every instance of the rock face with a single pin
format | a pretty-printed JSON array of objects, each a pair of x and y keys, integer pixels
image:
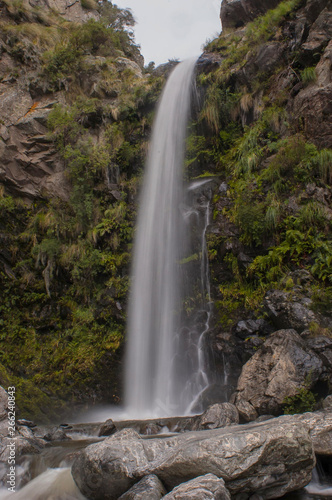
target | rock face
[
  {"x": 320, "y": 430},
  {"x": 236, "y": 13},
  {"x": 277, "y": 370},
  {"x": 3, "y": 412},
  {"x": 206, "y": 487},
  {"x": 260, "y": 458},
  {"x": 149, "y": 487},
  {"x": 29, "y": 165},
  {"x": 218, "y": 415},
  {"x": 288, "y": 312},
  {"x": 71, "y": 10}
]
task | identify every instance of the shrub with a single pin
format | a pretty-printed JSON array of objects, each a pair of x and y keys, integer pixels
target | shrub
[{"x": 304, "y": 400}]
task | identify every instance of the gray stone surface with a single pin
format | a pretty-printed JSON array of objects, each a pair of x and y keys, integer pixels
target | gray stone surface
[
  {"x": 289, "y": 311},
  {"x": 147, "y": 488},
  {"x": 277, "y": 370},
  {"x": 268, "y": 458},
  {"x": 208, "y": 487},
  {"x": 218, "y": 415},
  {"x": 236, "y": 13},
  {"x": 320, "y": 429}
]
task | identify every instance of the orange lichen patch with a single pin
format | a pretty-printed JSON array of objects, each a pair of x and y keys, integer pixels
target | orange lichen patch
[{"x": 33, "y": 107}]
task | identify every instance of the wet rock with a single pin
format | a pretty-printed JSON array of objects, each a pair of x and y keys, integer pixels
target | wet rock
[
  {"x": 322, "y": 346},
  {"x": 269, "y": 459},
  {"x": 245, "y": 328},
  {"x": 56, "y": 435},
  {"x": 208, "y": 62},
  {"x": 26, "y": 423},
  {"x": 218, "y": 415},
  {"x": 147, "y": 488},
  {"x": 320, "y": 430},
  {"x": 289, "y": 311},
  {"x": 22, "y": 445},
  {"x": 246, "y": 411},
  {"x": 201, "y": 488},
  {"x": 25, "y": 432},
  {"x": 107, "y": 428},
  {"x": 277, "y": 370}
]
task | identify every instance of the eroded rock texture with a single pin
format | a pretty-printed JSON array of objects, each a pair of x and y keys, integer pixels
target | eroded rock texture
[
  {"x": 261, "y": 458},
  {"x": 276, "y": 371}
]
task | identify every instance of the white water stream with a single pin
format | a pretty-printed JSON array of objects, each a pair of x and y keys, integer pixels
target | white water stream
[{"x": 151, "y": 387}]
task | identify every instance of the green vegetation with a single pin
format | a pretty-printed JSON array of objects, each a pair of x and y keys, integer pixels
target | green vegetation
[
  {"x": 304, "y": 400},
  {"x": 272, "y": 171},
  {"x": 64, "y": 279}
]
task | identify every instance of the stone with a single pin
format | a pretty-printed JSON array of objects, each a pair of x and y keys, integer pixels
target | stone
[
  {"x": 245, "y": 328},
  {"x": 246, "y": 411},
  {"x": 236, "y": 13},
  {"x": 208, "y": 487},
  {"x": 23, "y": 446},
  {"x": 322, "y": 346},
  {"x": 277, "y": 370},
  {"x": 57, "y": 435},
  {"x": 3, "y": 403},
  {"x": 312, "y": 106},
  {"x": 287, "y": 311},
  {"x": 320, "y": 33},
  {"x": 319, "y": 425},
  {"x": 123, "y": 63},
  {"x": 267, "y": 458},
  {"x": 147, "y": 488},
  {"x": 107, "y": 428},
  {"x": 71, "y": 10},
  {"x": 327, "y": 403},
  {"x": 218, "y": 415}
]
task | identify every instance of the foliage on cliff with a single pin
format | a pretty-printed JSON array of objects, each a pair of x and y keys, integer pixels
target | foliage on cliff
[
  {"x": 257, "y": 132},
  {"x": 65, "y": 259}
]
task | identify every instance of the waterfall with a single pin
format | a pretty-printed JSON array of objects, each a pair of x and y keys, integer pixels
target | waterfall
[{"x": 151, "y": 385}]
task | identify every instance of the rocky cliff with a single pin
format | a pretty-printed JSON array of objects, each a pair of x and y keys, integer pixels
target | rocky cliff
[
  {"x": 75, "y": 108},
  {"x": 75, "y": 112},
  {"x": 267, "y": 134}
]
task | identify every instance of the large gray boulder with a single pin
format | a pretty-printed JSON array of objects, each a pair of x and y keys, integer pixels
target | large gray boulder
[
  {"x": 277, "y": 370},
  {"x": 208, "y": 487},
  {"x": 268, "y": 458},
  {"x": 319, "y": 425}
]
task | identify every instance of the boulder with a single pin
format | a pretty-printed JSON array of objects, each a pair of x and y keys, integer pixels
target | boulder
[
  {"x": 236, "y": 13},
  {"x": 277, "y": 370},
  {"x": 218, "y": 415},
  {"x": 71, "y": 10},
  {"x": 206, "y": 487},
  {"x": 267, "y": 458},
  {"x": 149, "y": 487},
  {"x": 327, "y": 403},
  {"x": 246, "y": 411},
  {"x": 107, "y": 428},
  {"x": 319, "y": 425},
  {"x": 322, "y": 346},
  {"x": 287, "y": 311}
]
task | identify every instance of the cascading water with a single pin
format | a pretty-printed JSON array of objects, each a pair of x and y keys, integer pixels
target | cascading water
[{"x": 152, "y": 385}]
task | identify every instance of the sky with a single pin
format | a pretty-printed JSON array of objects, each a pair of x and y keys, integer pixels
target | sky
[{"x": 173, "y": 29}]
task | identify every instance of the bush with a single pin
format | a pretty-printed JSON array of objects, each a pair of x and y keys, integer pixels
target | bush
[{"x": 304, "y": 400}]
